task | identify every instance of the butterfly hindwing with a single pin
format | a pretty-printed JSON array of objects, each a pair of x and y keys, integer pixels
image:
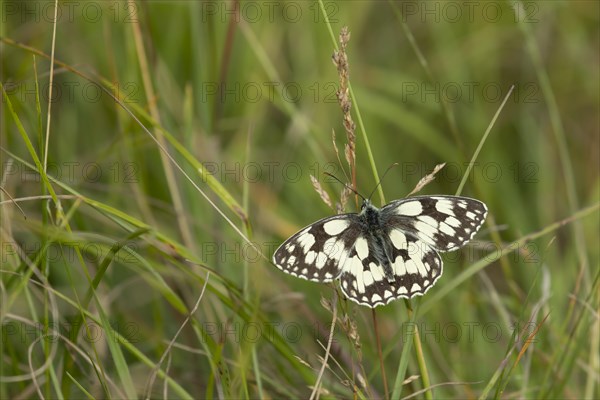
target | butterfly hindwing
[
  {"x": 443, "y": 222},
  {"x": 318, "y": 252},
  {"x": 416, "y": 267}
]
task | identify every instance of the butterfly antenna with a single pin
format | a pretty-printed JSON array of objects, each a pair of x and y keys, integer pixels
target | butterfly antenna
[
  {"x": 383, "y": 176},
  {"x": 345, "y": 184}
]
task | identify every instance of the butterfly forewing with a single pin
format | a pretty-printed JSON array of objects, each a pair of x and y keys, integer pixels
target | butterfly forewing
[
  {"x": 319, "y": 251},
  {"x": 443, "y": 222}
]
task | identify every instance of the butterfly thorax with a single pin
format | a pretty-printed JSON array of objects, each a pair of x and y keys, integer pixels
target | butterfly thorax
[{"x": 370, "y": 216}]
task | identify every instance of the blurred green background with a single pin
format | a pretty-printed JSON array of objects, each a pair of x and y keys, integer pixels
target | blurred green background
[{"x": 126, "y": 279}]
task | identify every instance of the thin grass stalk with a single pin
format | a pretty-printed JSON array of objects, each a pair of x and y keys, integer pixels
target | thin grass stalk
[
  {"x": 245, "y": 283},
  {"x": 381, "y": 364},
  {"x": 357, "y": 109},
  {"x": 557, "y": 130},
  {"x": 182, "y": 221},
  {"x": 44, "y": 261},
  {"x": 425, "y": 65}
]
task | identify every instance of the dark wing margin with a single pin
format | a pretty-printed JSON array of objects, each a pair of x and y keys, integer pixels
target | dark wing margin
[
  {"x": 446, "y": 223},
  {"x": 416, "y": 268},
  {"x": 318, "y": 252}
]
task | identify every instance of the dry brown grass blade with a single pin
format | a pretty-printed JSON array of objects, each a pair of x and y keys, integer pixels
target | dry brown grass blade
[
  {"x": 340, "y": 60},
  {"x": 427, "y": 179},
  {"x": 322, "y": 193},
  {"x": 13, "y": 201},
  {"x": 337, "y": 154},
  {"x": 317, "y": 390},
  {"x": 341, "y": 206},
  {"x": 529, "y": 340}
]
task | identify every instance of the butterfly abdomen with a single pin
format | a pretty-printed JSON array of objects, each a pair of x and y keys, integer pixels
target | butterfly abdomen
[{"x": 379, "y": 245}]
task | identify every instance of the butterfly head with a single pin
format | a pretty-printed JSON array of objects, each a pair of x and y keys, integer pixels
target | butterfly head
[
  {"x": 366, "y": 203},
  {"x": 367, "y": 206}
]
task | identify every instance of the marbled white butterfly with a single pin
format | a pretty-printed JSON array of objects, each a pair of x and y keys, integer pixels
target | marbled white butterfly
[{"x": 380, "y": 255}]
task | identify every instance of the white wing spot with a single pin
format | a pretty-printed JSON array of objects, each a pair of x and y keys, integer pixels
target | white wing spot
[
  {"x": 402, "y": 290},
  {"x": 425, "y": 231},
  {"x": 335, "y": 227},
  {"x": 292, "y": 260},
  {"x": 362, "y": 248},
  {"x": 447, "y": 229},
  {"x": 411, "y": 267},
  {"x": 387, "y": 294},
  {"x": 427, "y": 266},
  {"x": 410, "y": 208},
  {"x": 452, "y": 222},
  {"x": 398, "y": 239},
  {"x": 421, "y": 267},
  {"x": 400, "y": 266},
  {"x": 416, "y": 265},
  {"x": 328, "y": 275},
  {"x": 342, "y": 261},
  {"x": 376, "y": 272},
  {"x": 304, "y": 271},
  {"x": 415, "y": 287},
  {"x": 428, "y": 220},
  {"x": 445, "y": 207},
  {"x": 376, "y": 297},
  {"x": 290, "y": 247},
  {"x": 356, "y": 269},
  {"x": 330, "y": 247},
  {"x": 321, "y": 259},
  {"x": 471, "y": 215},
  {"x": 310, "y": 257},
  {"x": 367, "y": 278},
  {"x": 306, "y": 241}
]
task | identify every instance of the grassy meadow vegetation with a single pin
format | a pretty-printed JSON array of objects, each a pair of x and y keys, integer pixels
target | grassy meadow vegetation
[{"x": 154, "y": 154}]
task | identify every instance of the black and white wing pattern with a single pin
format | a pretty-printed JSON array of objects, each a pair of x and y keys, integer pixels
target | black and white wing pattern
[
  {"x": 445, "y": 223},
  {"x": 318, "y": 252},
  {"x": 414, "y": 268},
  {"x": 381, "y": 255}
]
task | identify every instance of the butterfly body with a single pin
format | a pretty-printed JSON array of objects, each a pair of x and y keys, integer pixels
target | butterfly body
[
  {"x": 383, "y": 254},
  {"x": 373, "y": 227}
]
